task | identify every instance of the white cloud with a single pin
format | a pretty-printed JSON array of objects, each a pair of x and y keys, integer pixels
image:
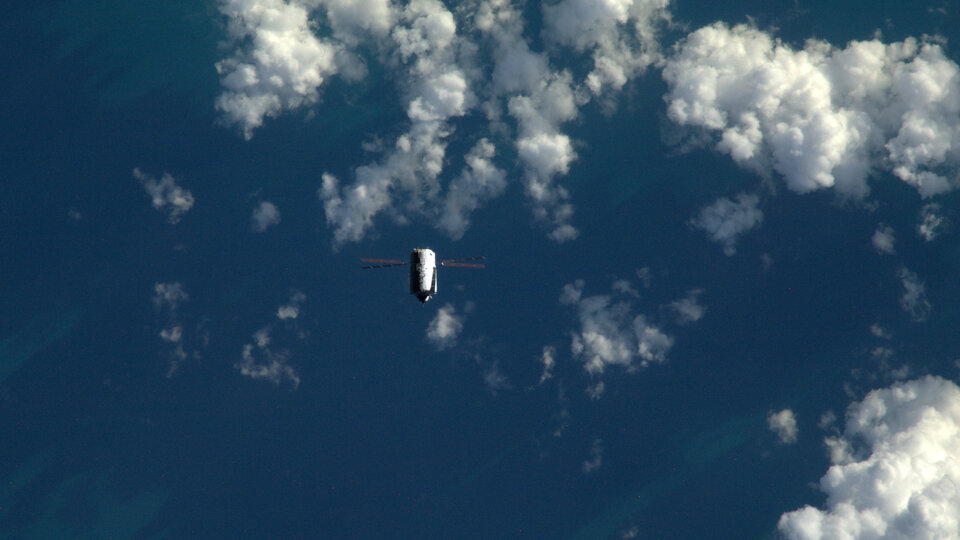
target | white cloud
[
  {"x": 688, "y": 309},
  {"x": 883, "y": 239},
  {"x": 548, "y": 360},
  {"x": 291, "y": 310},
  {"x": 280, "y": 63},
  {"x": 930, "y": 222},
  {"x": 265, "y": 215},
  {"x": 784, "y": 424},
  {"x": 480, "y": 181},
  {"x": 596, "y": 457},
  {"x": 445, "y": 327},
  {"x": 621, "y": 35},
  {"x": 259, "y": 362},
  {"x": 879, "y": 331},
  {"x": 725, "y": 220},
  {"x": 611, "y": 335},
  {"x": 166, "y": 195},
  {"x": 895, "y": 472},
  {"x": 169, "y": 295},
  {"x": 914, "y": 299},
  {"x": 494, "y": 379},
  {"x": 822, "y": 116}
]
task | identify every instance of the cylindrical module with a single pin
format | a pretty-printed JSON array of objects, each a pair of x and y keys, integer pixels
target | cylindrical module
[{"x": 423, "y": 274}]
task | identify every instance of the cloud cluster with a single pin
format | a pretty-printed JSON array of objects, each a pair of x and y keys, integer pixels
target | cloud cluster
[
  {"x": 784, "y": 424},
  {"x": 168, "y": 297},
  {"x": 166, "y": 195},
  {"x": 931, "y": 222},
  {"x": 291, "y": 310},
  {"x": 620, "y": 35},
  {"x": 448, "y": 64},
  {"x": 596, "y": 457},
  {"x": 445, "y": 327},
  {"x": 610, "y": 334},
  {"x": 265, "y": 215},
  {"x": 261, "y": 362},
  {"x": 725, "y": 220},
  {"x": 280, "y": 64},
  {"x": 895, "y": 472},
  {"x": 822, "y": 116}
]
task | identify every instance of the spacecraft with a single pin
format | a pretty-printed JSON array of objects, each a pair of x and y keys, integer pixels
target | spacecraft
[{"x": 423, "y": 270}]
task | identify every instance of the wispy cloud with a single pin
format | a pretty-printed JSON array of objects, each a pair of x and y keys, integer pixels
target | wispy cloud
[
  {"x": 883, "y": 240},
  {"x": 914, "y": 298},
  {"x": 445, "y": 327},
  {"x": 260, "y": 361}
]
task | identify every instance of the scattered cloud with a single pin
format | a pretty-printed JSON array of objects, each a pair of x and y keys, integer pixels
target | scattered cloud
[
  {"x": 291, "y": 310},
  {"x": 822, "y": 116},
  {"x": 260, "y": 362},
  {"x": 914, "y": 298},
  {"x": 931, "y": 222},
  {"x": 166, "y": 195},
  {"x": 784, "y": 424},
  {"x": 265, "y": 215},
  {"x": 879, "y": 331},
  {"x": 169, "y": 295},
  {"x": 445, "y": 327},
  {"x": 688, "y": 309},
  {"x": 610, "y": 334},
  {"x": 494, "y": 379},
  {"x": 548, "y": 360},
  {"x": 595, "y": 460},
  {"x": 725, "y": 220},
  {"x": 481, "y": 180},
  {"x": 883, "y": 240},
  {"x": 894, "y": 472}
]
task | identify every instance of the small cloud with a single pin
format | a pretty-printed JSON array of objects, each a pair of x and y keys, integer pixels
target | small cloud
[
  {"x": 547, "y": 358},
  {"x": 265, "y": 216},
  {"x": 931, "y": 222},
  {"x": 596, "y": 457},
  {"x": 784, "y": 424},
  {"x": 914, "y": 299},
  {"x": 166, "y": 195},
  {"x": 883, "y": 240},
  {"x": 169, "y": 295},
  {"x": 445, "y": 327},
  {"x": 259, "y": 362},
  {"x": 291, "y": 310},
  {"x": 880, "y": 332},
  {"x": 494, "y": 379},
  {"x": 725, "y": 220},
  {"x": 688, "y": 309}
]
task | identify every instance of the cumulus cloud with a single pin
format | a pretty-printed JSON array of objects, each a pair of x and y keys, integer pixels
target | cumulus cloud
[
  {"x": 291, "y": 310},
  {"x": 265, "y": 215},
  {"x": 610, "y": 334},
  {"x": 725, "y": 220},
  {"x": 931, "y": 222},
  {"x": 279, "y": 63},
  {"x": 166, "y": 195},
  {"x": 688, "y": 309},
  {"x": 260, "y": 362},
  {"x": 167, "y": 298},
  {"x": 620, "y": 35},
  {"x": 897, "y": 473},
  {"x": 882, "y": 240},
  {"x": 784, "y": 424},
  {"x": 821, "y": 116},
  {"x": 445, "y": 327},
  {"x": 914, "y": 298}
]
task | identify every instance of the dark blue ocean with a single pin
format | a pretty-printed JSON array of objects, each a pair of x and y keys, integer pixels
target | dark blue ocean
[{"x": 385, "y": 436}]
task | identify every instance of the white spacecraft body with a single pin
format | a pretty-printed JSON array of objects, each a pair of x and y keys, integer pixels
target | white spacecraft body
[
  {"x": 423, "y": 274},
  {"x": 423, "y": 270}
]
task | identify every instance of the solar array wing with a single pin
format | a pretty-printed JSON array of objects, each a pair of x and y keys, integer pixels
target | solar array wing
[
  {"x": 381, "y": 263},
  {"x": 460, "y": 262}
]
